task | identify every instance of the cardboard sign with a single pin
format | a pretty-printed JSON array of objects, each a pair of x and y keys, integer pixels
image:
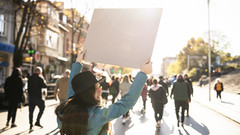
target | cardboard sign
[{"x": 123, "y": 37}]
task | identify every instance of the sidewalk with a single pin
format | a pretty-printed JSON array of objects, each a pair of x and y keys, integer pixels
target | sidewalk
[{"x": 228, "y": 107}]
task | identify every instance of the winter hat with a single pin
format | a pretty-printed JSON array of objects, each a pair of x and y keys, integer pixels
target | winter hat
[
  {"x": 161, "y": 77},
  {"x": 83, "y": 81}
]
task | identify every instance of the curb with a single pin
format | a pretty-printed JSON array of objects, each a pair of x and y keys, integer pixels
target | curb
[{"x": 238, "y": 122}]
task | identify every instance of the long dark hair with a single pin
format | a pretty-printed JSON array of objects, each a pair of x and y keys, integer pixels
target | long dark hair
[{"x": 74, "y": 112}]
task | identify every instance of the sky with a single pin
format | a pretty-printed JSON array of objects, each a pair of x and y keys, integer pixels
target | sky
[{"x": 181, "y": 20}]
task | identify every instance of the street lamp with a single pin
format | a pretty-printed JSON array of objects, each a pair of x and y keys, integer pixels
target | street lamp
[{"x": 209, "y": 52}]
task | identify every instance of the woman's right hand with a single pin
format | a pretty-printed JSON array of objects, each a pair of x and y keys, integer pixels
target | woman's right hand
[
  {"x": 147, "y": 67},
  {"x": 80, "y": 56}
]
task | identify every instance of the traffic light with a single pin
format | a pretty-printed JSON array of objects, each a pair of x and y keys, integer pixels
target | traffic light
[{"x": 31, "y": 52}]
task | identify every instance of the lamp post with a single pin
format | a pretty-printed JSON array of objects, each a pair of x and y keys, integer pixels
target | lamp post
[{"x": 209, "y": 52}]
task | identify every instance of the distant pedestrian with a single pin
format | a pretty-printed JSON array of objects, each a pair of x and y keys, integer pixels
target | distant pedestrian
[
  {"x": 173, "y": 79},
  {"x": 124, "y": 87},
  {"x": 157, "y": 94},
  {"x": 201, "y": 81},
  {"x": 130, "y": 78},
  {"x": 35, "y": 84},
  {"x": 144, "y": 98},
  {"x": 181, "y": 92},
  {"x": 164, "y": 84},
  {"x": 13, "y": 88},
  {"x": 219, "y": 71},
  {"x": 114, "y": 89},
  {"x": 61, "y": 88},
  {"x": 150, "y": 81},
  {"x": 105, "y": 90},
  {"x": 191, "y": 89},
  {"x": 219, "y": 88}
]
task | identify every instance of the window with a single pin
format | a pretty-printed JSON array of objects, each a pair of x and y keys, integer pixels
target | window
[
  {"x": 51, "y": 38},
  {"x": 64, "y": 19},
  {"x": 2, "y": 25}
]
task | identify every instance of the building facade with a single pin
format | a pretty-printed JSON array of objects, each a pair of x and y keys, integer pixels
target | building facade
[
  {"x": 7, "y": 10},
  {"x": 165, "y": 63}
]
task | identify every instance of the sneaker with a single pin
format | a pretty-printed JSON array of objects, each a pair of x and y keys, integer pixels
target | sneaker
[
  {"x": 123, "y": 120},
  {"x": 127, "y": 118},
  {"x": 38, "y": 124},
  {"x": 157, "y": 125},
  {"x": 159, "y": 122},
  {"x": 13, "y": 125},
  {"x": 7, "y": 124}
]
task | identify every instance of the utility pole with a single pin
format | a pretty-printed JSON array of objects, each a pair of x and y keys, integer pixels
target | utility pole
[{"x": 209, "y": 52}]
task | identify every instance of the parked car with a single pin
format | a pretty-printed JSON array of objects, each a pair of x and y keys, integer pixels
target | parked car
[
  {"x": 3, "y": 102},
  {"x": 51, "y": 85}
]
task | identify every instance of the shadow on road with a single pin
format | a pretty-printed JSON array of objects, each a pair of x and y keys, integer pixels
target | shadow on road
[
  {"x": 201, "y": 128},
  {"x": 4, "y": 129},
  {"x": 165, "y": 129},
  {"x": 56, "y": 130},
  {"x": 119, "y": 129},
  {"x": 230, "y": 103},
  {"x": 180, "y": 132}
]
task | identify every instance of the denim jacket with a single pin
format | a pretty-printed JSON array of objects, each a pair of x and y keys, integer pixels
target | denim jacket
[{"x": 99, "y": 116}]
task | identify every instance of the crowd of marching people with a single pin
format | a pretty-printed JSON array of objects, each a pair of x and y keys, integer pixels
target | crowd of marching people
[
  {"x": 84, "y": 98},
  {"x": 157, "y": 90}
]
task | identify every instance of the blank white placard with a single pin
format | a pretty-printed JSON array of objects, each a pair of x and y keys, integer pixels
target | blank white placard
[{"x": 123, "y": 37}]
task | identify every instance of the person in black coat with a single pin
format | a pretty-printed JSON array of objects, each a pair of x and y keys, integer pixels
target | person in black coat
[
  {"x": 114, "y": 87},
  {"x": 35, "y": 84},
  {"x": 13, "y": 88},
  {"x": 164, "y": 84},
  {"x": 157, "y": 94},
  {"x": 105, "y": 89}
]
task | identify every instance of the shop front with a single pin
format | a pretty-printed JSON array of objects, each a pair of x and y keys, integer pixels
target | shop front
[{"x": 6, "y": 55}]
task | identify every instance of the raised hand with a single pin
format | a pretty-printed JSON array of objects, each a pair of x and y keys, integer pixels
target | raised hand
[
  {"x": 147, "y": 67},
  {"x": 80, "y": 56}
]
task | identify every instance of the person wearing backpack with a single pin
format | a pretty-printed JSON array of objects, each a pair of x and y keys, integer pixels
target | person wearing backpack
[
  {"x": 157, "y": 95},
  {"x": 218, "y": 87},
  {"x": 181, "y": 92}
]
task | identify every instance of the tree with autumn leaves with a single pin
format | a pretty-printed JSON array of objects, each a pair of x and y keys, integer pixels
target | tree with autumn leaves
[{"x": 197, "y": 50}]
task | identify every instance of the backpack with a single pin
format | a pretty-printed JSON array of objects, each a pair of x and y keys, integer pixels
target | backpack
[
  {"x": 113, "y": 91},
  {"x": 165, "y": 99}
]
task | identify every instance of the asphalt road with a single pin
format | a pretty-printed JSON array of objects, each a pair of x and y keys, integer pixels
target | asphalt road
[{"x": 202, "y": 121}]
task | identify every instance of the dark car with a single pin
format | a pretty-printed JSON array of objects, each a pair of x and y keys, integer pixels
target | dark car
[{"x": 51, "y": 85}]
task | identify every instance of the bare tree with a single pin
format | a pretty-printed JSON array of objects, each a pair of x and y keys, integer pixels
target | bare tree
[{"x": 28, "y": 13}]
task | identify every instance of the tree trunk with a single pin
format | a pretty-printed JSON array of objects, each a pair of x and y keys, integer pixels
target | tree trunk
[{"x": 17, "y": 58}]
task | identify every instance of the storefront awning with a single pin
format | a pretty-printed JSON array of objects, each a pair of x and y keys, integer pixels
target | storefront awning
[
  {"x": 6, "y": 47},
  {"x": 62, "y": 58}
]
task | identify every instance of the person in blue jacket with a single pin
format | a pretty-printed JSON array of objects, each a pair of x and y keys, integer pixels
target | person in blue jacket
[{"x": 82, "y": 113}]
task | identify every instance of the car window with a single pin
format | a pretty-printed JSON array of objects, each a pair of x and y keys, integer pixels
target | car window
[
  {"x": 25, "y": 84},
  {"x": 54, "y": 80}
]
